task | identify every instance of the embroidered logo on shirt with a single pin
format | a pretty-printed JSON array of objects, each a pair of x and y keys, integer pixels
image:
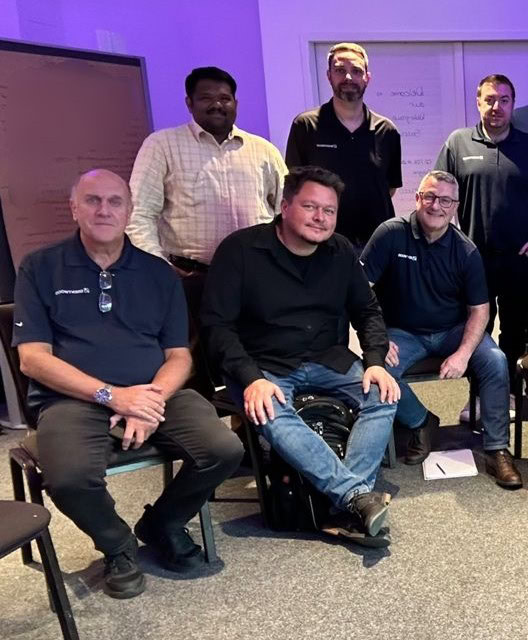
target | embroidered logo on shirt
[
  {"x": 404, "y": 255},
  {"x": 464, "y": 158},
  {"x": 19, "y": 324},
  {"x": 61, "y": 292},
  {"x": 327, "y": 146}
]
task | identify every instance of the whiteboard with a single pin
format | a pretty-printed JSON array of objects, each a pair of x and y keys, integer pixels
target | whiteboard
[{"x": 428, "y": 89}]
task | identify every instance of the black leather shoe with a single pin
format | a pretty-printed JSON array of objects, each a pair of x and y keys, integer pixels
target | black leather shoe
[
  {"x": 500, "y": 465},
  {"x": 419, "y": 446},
  {"x": 175, "y": 546},
  {"x": 371, "y": 508},
  {"x": 123, "y": 579},
  {"x": 349, "y": 528}
]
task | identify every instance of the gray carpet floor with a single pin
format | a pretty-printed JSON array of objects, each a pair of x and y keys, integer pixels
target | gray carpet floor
[{"x": 457, "y": 568}]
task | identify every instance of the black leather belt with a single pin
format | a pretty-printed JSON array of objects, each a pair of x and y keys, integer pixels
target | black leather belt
[{"x": 188, "y": 264}]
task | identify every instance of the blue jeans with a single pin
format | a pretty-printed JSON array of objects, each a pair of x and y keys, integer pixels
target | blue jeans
[
  {"x": 307, "y": 452},
  {"x": 488, "y": 364}
]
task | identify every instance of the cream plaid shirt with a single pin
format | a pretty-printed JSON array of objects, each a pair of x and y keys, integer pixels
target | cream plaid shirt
[{"x": 190, "y": 192}]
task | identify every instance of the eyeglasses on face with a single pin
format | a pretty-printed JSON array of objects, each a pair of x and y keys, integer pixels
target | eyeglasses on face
[
  {"x": 430, "y": 198},
  {"x": 105, "y": 283}
]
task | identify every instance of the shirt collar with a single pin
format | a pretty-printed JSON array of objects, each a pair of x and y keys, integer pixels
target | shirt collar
[
  {"x": 76, "y": 256},
  {"x": 479, "y": 135},
  {"x": 199, "y": 133},
  {"x": 418, "y": 234},
  {"x": 367, "y": 121}
]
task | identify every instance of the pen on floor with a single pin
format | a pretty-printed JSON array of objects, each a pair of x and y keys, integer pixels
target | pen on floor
[{"x": 440, "y": 468}]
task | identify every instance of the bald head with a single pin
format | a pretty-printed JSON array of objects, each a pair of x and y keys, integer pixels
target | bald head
[
  {"x": 101, "y": 205},
  {"x": 95, "y": 173}
]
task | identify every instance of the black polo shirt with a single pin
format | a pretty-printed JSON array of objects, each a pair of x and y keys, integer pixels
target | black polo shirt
[
  {"x": 422, "y": 287},
  {"x": 262, "y": 310},
  {"x": 493, "y": 180},
  {"x": 367, "y": 160},
  {"x": 56, "y": 302}
]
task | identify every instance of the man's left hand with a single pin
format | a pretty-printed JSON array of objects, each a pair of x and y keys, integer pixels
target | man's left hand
[
  {"x": 454, "y": 366},
  {"x": 137, "y": 431},
  {"x": 524, "y": 250},
  {"x": 389, "y": 389}
]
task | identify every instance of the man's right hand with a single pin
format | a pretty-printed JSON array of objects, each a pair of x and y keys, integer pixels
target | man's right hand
[
  {"x": 144, "y": 401},
  {"x": 258, "y": 404},
  {"x": 392, "y": 358}
]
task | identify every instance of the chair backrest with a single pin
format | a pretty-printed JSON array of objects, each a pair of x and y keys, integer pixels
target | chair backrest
[{"x": 20, "y": 380}]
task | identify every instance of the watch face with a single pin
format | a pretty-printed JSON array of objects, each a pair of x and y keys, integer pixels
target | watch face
[{"x": 103, "y": 396}]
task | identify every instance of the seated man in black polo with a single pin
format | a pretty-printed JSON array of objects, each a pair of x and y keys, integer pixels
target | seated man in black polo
[
  {"x": 101, "y": 329},
  {"x": 432, "y": 288},
  {"x": 273, "y": 310}
]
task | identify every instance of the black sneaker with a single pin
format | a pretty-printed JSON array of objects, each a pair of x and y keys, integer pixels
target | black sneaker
[
  {"x": 176, "y": 548},
  {"x": 348, "y": 527},
  {"x": 123, "y": 579},
  {"x": 372, "y": 510}
]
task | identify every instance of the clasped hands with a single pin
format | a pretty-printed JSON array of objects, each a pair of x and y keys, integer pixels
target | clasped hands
[{"x": 142, "y": 407}]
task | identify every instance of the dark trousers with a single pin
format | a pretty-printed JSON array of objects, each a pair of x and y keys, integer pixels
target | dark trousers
[
  {"x": 74, "y": 445},
  {"x": 507, "y": 276}
]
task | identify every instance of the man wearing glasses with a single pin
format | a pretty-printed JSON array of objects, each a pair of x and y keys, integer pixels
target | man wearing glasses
[
  {"x": 101, "y": 329},
  {"x": 430, "y": 281}
]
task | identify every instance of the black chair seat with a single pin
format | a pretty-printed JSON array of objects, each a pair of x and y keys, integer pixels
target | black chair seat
[
  {"x": 427, "y": 366},
  {"x": 20, "y": 523}
]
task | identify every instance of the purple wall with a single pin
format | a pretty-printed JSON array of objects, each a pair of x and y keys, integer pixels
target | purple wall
[{"x": 174, "y": 37}]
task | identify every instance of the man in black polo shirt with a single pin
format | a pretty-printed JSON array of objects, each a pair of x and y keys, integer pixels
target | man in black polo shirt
[
  {"x": 432, "y": 288},
  {"x": 490, "y": 162},
  {"x": 273, "y": 311},
  {"x": 362, "y": 147},
  {"x": 101, "y": 329}
]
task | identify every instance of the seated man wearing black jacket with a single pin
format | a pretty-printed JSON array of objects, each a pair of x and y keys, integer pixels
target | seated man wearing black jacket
[{"x": 273, "y": 314}]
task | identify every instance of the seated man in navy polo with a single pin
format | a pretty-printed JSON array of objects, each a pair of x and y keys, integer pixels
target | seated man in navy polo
[
  {"x": 431, "y": 285},
  {"x": 273, "y": 309},
  {"x": 101, "y": 329}
]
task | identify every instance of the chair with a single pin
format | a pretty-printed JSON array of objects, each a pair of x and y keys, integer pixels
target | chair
[
  {"x": 24, "y": 459},
  {"x": 20, "y": 523},
  {"x": 521, "y": 378}
]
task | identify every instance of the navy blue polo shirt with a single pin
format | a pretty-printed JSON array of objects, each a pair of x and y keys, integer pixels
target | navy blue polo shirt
[
  {"x": 422, "y": 287},
  {"x": 493, "y": 181},
  {"x": 56, "y": 302}
]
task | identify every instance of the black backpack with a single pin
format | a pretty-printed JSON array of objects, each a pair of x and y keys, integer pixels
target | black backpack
[{"x": 295, "y": 504}]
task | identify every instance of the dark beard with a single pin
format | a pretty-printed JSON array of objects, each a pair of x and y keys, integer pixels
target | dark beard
[{"x": 350, "y": 94}]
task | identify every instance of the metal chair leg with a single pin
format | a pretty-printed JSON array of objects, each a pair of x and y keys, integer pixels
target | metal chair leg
[
  {"x": 207, "y": 533},
  {"x": 517, "y": 452},
  {"x": 168, "y": 473},
  {"x": 390, "y": 453},
  {"x": 19, "y": 494},
  {"x": 56, "y": 586},
  {"x": 473, "y": 393},
  {"x": 260, "y": 474}
]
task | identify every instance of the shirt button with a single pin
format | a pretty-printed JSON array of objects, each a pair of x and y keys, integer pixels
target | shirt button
[{"x": 308, "y": 327}]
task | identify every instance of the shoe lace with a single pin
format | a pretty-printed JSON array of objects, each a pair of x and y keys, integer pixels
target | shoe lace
[{"x": 121, "y": 562}]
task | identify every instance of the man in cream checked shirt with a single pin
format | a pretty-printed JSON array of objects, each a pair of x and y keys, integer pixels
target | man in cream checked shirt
[{"x": 195, "y": 184}]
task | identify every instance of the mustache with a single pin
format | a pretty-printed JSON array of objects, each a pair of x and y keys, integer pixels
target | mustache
[{"x": 212, "y": 110}]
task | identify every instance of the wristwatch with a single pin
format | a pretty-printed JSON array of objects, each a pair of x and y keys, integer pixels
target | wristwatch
[{"x": 103, "y": 395}]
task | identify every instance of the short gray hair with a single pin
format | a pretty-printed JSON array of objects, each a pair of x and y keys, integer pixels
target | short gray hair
[
  {"x": 347, "y": 46},
  {"x": 441, "y": 176}
]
